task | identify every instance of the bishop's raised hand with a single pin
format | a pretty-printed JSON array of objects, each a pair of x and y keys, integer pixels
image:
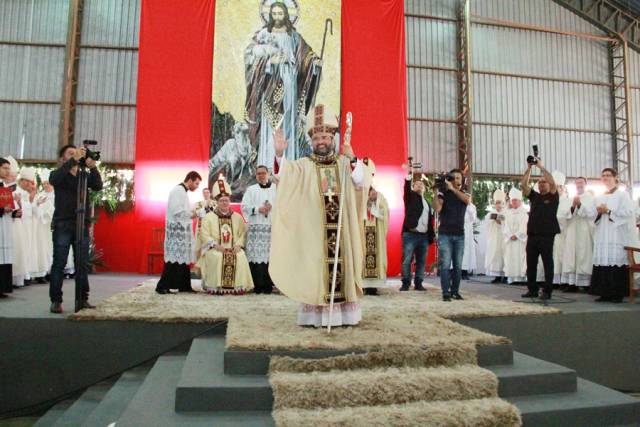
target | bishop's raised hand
[{"x": 280, "y": 142}]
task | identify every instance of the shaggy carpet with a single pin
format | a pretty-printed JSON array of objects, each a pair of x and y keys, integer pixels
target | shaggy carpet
[
  {"x": 380, "y": 386},
  {"x": 143, "y": 304},
  {"x": 445, "y": 355},
  {"x": 478, "y": 413},
  {"x": 384, "y": 329}
]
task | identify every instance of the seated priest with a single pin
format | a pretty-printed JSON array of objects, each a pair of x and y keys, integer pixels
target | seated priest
[{"x": 222, "y": 262}]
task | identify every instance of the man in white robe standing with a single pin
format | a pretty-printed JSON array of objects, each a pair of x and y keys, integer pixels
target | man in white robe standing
[
  {"x": 178, "y": 238},
  {"x": 23, "y": 247},
  {"x": 515, "y": 239},
  {"x": 257, "y": 204},
  {"x": 563, "y": 215},
  {"x": 615, "y": 229},
  {"x": 494, "y": 259},
  {"x": 469, "y": 257},
  {"x": 8, "y": 211},
  {"x": 577, "y": 258},
  {"x": 43, "y": 208}
]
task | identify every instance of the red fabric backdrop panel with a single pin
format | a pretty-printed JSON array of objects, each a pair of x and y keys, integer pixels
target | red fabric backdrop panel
[
  {"x": 173, "y": 130},
  {"x": 374, "y": 90}
]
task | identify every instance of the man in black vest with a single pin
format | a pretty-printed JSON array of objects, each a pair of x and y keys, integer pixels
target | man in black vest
[
  {"x": 541, "y": 229},
  {"x": 417, "y": 232}
]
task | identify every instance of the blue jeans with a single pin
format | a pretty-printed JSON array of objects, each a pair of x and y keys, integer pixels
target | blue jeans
[
  {"x": 64, "y": 236},
  {"x": 450, "y": 249},
  {"x": 413, "y": 244}
]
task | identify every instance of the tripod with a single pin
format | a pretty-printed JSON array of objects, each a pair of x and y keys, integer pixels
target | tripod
[{"x": 81, "y": 206}]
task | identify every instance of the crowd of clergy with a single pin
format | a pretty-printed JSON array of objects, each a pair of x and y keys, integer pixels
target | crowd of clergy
[
  {"x": 588, "y": 252},
  {"x": 26, "y": 247}
]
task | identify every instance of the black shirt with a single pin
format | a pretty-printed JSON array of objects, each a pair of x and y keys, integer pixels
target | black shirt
[
  {"x": 66, "y": 190},
  {"x": 542, "y": 217},
  {"x": 452, "y": 214}
]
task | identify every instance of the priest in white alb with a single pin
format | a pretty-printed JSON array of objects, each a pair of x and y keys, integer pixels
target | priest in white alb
[
  {"x": 615, "y": 229},
  {"x": 305, "y": 228},
  {"x": 8, "y": 211},
  {"x": 43, "y": 207},
  {"x": 577, "y": 258},
  {"x": 201, "y": 208},
  {"x": 515, "y": 239},
  {"x": 257, "y": 208},
  {"x": 23, "y": 244},
  {"x": 223, "y": 263},
  {"x": 469, "y": 261},
  {"x": 494, "y": 224},
  {"x": 563, "y": 214},
  {"x": 178, "y": 238}
]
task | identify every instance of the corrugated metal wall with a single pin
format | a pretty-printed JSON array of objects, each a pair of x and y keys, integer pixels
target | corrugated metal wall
[
  {"x": 108, "y": 77},
  {"x": 634, "y": 71},
  {"x": 529, "y": 87},
  {"x": 31, "y": 76},
  {"x": 108, "y": 70}
]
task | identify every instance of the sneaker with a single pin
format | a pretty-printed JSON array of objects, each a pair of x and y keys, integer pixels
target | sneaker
[
  {"x": 56, "y": 307},
  {"x": 457, "y": 296},
  {"x": 530, "y": 295},
  {"x": 446, "y": 298},
  {"x": 419, "y": 288},
  {"x": 404, "y": 288}
]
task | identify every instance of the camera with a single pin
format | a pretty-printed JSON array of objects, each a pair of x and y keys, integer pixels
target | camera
[
  {"x": 533, "y": 160},
  {"x": 93, "y": 155},
  {"x": 441, "y": 179},
  {"x": 496, "y": 216}
]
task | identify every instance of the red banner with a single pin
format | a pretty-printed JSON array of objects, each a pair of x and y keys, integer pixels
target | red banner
[{"x": 173, "y": 126}]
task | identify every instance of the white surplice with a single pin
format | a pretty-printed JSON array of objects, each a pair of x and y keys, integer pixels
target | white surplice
[
  {"x": 178, "y": 240},
  {"x": 577, "y": 259},
  {"x": 469, "y": 256},
  {"x": 43, "y": 208},
  {"x": 563, "y": 215},
  {"x": 23, "y": 240},
  {"x": 614, "y": 232},
  {"x": 494, "y": 258},
  {"x": 258, "y": 225},
  {"x": 515, "y": 251}
]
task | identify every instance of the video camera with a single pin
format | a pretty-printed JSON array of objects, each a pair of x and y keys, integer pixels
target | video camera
[
  {"x": 496, "y": 216},
  {"x": 93, "y": 155},
  {"x": 533, "y": 160},
  {"x": 440, "y": 181}
]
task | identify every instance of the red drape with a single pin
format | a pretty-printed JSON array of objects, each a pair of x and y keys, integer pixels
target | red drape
[{"x": 173, "y": 130}]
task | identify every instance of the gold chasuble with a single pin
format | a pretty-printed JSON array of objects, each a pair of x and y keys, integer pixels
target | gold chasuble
[
  {"x": 304, "y": 231},
  {"x": 223, "y": 270},
  {"x": 376, "y": 225}
]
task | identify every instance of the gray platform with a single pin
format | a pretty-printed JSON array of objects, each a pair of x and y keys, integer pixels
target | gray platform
[{"x": 190, "y": 388}]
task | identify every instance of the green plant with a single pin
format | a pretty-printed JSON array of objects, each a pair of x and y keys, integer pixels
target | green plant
[{"x": 95, "y": 258}]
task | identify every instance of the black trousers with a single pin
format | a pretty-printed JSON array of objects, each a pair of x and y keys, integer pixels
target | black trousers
[
  {"x": 6, "y": 276},
  {"x": 64, "y": 237},
  {"x": 261, "y": 280},
  {"x": 175, "y": 276},
  {"x": 540, "y": 246}
]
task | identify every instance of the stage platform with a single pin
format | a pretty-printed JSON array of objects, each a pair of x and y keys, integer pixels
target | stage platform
[{"x": 72, "y": 355}]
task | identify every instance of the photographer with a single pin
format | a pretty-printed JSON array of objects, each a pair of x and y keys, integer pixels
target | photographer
[
  {"x": 65, "y": 181},
  {"x": 451, "y": 204},
  {"x": 417, "y": 232},
  {"x": 541, "y": 228}
]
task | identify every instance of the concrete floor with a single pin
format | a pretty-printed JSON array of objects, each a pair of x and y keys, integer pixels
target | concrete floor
[{"x": 33, "y": 301}]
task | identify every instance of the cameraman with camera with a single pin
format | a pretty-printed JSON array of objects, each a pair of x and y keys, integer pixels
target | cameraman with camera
[
  {"x": 451, "y": 204},
  {"x": 541, "y": 228},
  {"x": 65, "y": 181}
]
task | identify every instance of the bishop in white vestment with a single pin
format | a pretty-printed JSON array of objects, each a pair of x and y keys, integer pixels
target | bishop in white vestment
[{"x": 23, "y": 242}]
